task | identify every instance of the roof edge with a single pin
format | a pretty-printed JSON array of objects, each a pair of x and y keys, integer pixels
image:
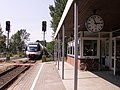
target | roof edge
[{"x": 68, "y": 5}]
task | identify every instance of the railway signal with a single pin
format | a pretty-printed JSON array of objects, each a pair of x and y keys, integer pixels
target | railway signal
[
  {"x": 8, "y": 26},
  {"x": 44, "y": 26},
  {"x": 8, "y": 29}
]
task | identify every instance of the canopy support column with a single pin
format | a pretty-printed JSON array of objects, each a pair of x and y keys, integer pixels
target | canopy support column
[
  {"x": 76, "y": 43},
  {"x": 63, "y": 42},
  {"x": 115, "y": 57},
  {"x": 58, "y": 49}
]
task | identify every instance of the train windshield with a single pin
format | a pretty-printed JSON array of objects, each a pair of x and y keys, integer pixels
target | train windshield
[{"x": 32, "y": 48}]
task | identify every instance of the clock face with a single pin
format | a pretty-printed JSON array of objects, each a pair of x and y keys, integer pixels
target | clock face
[{"x": 94, "y": 23}]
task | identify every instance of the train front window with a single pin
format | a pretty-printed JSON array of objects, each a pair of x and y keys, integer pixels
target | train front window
[{"x": 32, "y": 48}]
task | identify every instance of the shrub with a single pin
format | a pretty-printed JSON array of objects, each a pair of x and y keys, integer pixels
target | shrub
[{"x": 21, "y": 54}]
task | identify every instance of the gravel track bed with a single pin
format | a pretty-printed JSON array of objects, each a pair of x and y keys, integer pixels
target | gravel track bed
[{"x": 10, "y": 75}]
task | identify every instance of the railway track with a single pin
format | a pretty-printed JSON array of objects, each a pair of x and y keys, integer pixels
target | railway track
[{"x": 8, "y": 76}]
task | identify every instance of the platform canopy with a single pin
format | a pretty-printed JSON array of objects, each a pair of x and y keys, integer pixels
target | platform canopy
[{"x": 107, "y": 9}]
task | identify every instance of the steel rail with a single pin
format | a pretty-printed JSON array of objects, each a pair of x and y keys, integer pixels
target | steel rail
[{"x": 7, "y": 77}]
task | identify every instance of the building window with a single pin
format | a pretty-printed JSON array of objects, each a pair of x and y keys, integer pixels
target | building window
[
  {"x": 71, "y": 50},
  {"x": 90, "y": 47},
  {"x": 107, "y": 48},
  {"x": 68, "y": 51}
]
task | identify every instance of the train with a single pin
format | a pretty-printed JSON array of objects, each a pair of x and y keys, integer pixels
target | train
[{"x": 34, "y": 50}]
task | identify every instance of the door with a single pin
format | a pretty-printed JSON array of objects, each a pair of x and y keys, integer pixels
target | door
[
  {"x": 116, "y": 55},
  {"x": 104, "y": 52}
]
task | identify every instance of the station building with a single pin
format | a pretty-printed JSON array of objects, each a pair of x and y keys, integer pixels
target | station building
[{"x": 92, "y": 30}]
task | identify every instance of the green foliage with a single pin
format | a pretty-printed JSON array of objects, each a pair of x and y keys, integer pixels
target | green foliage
[
  {"x": 50, "y": 47},
  {"x": 21, "y": 54},
  {"x": 17, "y": 41},
  {"x": 56, "y": 12},
  {"x": 10, "y": 54},
  {"x": 2, "y": 41}
]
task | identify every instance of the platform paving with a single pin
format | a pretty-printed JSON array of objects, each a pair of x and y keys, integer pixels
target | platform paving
[
  {"x": 50, "y": 79},
  {"x": 89, "y": 80}
]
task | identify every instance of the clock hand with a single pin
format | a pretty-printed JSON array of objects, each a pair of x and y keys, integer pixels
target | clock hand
[{"x": 94, "y": 20}]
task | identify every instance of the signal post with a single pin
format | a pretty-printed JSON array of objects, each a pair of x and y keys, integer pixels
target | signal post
[
  {"x": 8, "y": 30},
  {"x": 44, "y": 30}
]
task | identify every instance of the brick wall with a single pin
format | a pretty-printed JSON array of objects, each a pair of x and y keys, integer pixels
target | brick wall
[{"x": 70, "y": 60}]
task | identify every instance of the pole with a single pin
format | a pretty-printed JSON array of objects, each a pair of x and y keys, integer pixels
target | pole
[
  {"x": 44, "y": 56},
  {"x": 76, "y": 43},
  {"x": 53, "y": 50},
  {"x": 115, "y": 57},
  {"x": 44, "y": 38},
  {"x": 8, "y": 57},
  {"x": 58, "y": 49},
  {"x": 63, "y": 42}
]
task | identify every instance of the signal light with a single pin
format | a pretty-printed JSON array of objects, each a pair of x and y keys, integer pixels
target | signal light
[
  {"x": 7, "y": 25},
  {"x": 43, "y": 26}
]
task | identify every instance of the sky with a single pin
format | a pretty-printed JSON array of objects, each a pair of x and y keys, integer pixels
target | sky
[{"x": 27, "y": 14}]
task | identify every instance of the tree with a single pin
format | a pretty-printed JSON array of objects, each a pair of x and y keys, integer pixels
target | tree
[
  {"x": 18, "y": 40},
  {"x": 50, "y": 47},
  {"x": 2, "y": 41},
  {"x": 56, "y": 12}
]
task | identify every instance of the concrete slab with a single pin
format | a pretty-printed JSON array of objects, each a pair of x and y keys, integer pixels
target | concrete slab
[
  {"x": 49, "y": 78},
  {"x": 86, "y": 80}
]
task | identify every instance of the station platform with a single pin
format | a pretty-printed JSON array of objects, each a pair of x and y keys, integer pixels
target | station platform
[
  {"x": 97, "y": 80},
  {"x": 42, "y": 76},
  {"x": 46, "y": 76}
]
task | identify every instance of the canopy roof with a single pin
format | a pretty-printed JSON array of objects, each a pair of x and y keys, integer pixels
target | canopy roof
[{"x": 107, "y": 9}]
